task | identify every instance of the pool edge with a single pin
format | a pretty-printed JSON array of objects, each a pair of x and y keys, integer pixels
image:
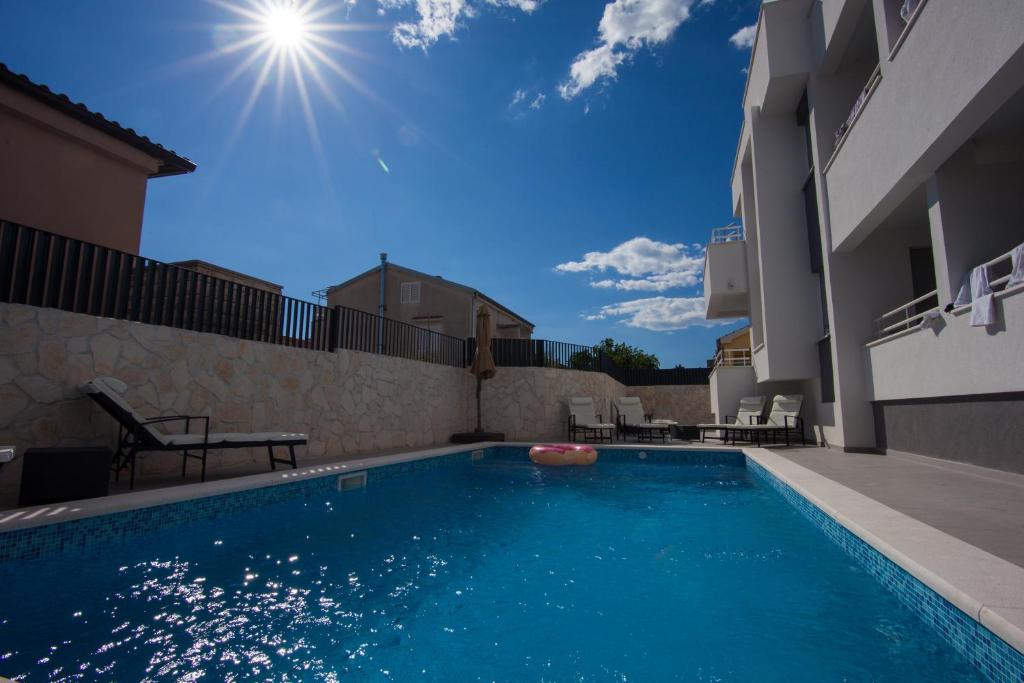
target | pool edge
[{"x": 985, "y": 588}]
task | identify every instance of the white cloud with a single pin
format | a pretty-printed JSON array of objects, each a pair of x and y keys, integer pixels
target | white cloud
[
  {"x": 744, "y": 38},
  {"x": 659, "y": 313},
  {"x": 538, "y": 101},
  {"x": 518, "y": 97},
  {"x": 437, "y": 19},
  {"x": 625, "y": 27},
  {"x": 601, "y": 62},
  {"x": 650, "y": 265}
]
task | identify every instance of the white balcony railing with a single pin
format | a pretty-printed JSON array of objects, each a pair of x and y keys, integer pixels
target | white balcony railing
[
  {"x": 730, "y": 233},
  {"x": 907, "y": 316},
  {"x": 999, "y": 283},
  {"x": 733, "y": 358},
  {"x": 858, "y": 106}
]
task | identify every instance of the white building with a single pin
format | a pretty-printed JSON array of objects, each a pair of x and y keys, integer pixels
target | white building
[{"x": 881, "y": 160}]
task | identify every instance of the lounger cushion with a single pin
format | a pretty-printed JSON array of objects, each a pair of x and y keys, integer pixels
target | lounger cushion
[
  {"x": 582, "y": 409},
  {"x": 750, "y": 410},
  {"x": 232, "y": 438},
  {"x": 631, "y": 410},
  {"x": 783, "y": 407},
  {"x": 112, "y": 389},
  {"x": 598, "y": 425}
]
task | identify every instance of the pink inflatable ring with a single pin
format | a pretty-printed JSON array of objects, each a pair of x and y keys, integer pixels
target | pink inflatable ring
[{"x": 562, "y": 454}]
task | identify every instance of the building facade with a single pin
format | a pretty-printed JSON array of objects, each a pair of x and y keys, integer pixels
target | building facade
[
  {"x": 880, "y": 164},
  {"x": 427, "y": 301},
  {"x": 68, "y": 170}
]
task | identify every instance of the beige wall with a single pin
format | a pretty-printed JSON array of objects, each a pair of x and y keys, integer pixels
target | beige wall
[
  {"x": 686, "y": 404},
  {"x": 60, "y": 175},
  {"x": 454, "y": 307},
  {"x": 530, "y": 403},
  {"x": 347, "y": 402}
]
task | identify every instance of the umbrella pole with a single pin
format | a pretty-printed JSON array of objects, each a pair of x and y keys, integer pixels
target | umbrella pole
[{"x": 478, "y": 383}]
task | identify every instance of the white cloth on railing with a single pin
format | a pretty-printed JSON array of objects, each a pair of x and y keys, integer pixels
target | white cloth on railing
[
  {"x": 983, "y": 305},
  {"x": 908, "y": 9},
  {"x": 1017, "y": 266},
  {"x": 930, "y": 319},
  {"x": 963, "y": 297}
]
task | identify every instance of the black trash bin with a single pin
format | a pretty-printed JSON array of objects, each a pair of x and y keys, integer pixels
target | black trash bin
[{"x": 57, "y": 475}]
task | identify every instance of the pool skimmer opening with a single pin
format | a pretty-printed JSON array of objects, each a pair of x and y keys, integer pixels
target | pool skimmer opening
[{"x": 352, "y": 481}]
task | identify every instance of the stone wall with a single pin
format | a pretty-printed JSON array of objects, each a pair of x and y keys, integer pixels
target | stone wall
[
  {"x": 348, "y": 402},
  {"x": 531, "y": 403},
  {"x": 528, "y": 404},
  {"x": 688, "y": 404}
]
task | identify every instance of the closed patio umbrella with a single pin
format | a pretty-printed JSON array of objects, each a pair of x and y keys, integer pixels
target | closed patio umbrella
[{"x": 483, "y": 362}]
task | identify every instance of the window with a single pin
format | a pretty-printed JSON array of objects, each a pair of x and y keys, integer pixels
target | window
[
  {"x": 813, "y": 226},
  {"x": 410, "y": 292},
  {"x": 828, "y": 391}
]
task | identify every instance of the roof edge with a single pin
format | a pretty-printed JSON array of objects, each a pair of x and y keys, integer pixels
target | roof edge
[{"x": 170, "y": 162}]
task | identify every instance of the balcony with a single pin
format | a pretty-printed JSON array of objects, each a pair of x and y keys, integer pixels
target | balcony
[
  {"x": 912, "y": 126},
  {"x": 780, "y": 61},
  {"x": 726, "y": 294}
]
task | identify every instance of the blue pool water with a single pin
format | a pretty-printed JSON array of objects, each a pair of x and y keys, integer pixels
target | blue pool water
[{"x": 496, "y": 570}]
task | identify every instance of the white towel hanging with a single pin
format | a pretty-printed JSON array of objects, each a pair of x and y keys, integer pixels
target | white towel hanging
[
  {"x": 983, "y": 305},
  {"x": 1017, "y": 261}
]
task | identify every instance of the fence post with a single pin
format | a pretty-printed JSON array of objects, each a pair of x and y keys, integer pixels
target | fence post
[
  {"x": 538, "y": 353},
  {"x": 333, "y": 322}
]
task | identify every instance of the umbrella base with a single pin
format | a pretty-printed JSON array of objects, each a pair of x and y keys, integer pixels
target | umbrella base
[{"x": 477, "y": 437}]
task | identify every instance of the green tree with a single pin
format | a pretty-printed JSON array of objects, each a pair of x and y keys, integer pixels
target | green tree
[{"x": 626, "y": 356}]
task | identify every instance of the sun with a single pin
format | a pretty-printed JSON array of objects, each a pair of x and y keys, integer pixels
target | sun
[
  {"x": 285, "y": 26},
  {"x": 296, "y": 43}
]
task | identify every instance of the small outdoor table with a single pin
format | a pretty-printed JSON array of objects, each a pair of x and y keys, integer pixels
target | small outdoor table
[{"x": 57, "y": 475}]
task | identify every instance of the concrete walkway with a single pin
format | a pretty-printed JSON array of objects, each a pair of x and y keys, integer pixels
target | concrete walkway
[{"x": 979, "y": 506}]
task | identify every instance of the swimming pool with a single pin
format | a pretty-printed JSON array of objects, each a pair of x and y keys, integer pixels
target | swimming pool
[{"x": 679, "y": 566}]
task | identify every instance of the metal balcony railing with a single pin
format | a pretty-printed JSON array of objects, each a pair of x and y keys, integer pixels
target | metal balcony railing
[
  {"x": 730, "y": 233},
  {"x": 733, "y": 358},
  {"x": 906, "y": 316}
]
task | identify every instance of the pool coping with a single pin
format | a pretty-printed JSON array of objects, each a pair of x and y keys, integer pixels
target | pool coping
[
  {"x": 987, "y": 588},
  {"x": 984, "y": 587}
]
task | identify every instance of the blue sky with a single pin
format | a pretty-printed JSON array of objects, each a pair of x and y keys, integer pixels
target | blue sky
[{"x": 566, "y": 157}]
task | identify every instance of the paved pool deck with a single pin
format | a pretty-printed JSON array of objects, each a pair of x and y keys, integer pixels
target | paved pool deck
[{"x": 979, "y": 506}]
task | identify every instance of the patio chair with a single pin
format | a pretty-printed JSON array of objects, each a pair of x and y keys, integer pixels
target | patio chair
[
  {"x": 630, "y": 418},
  {"x": 137, "y": 434},
  {"x": 582, "y": 419},
  {"x": 749, "y": 412},
  {"x": 783, "y": 419}
]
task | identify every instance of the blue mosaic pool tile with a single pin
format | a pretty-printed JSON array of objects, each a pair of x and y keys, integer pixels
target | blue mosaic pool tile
[
  {"x": 33, "y": 542},
  {"x": 994, "y": 657},
  {"x": 679, "y": 457},
  {"x": 404, "y": 468}
]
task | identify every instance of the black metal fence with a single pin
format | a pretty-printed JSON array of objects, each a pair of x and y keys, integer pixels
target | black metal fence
[
  {"x": 40, "y": 268},
  {"x": 361, "y": 331},
  {"x": 542, "y": 353}
]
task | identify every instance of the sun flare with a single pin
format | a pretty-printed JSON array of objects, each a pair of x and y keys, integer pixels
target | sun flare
[
  {"x": 285, "y": 26},
  {"x": 289, "y": 41}
]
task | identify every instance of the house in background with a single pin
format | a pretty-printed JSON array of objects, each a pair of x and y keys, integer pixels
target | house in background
[
  {"x": 69, "y": 170},
  {"x": 879, "y": 166},
  {"x": 426, "y": 301},
  {"x": 213, "y": 270}
]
